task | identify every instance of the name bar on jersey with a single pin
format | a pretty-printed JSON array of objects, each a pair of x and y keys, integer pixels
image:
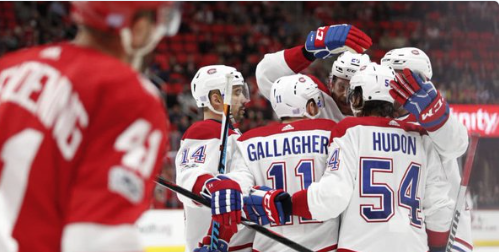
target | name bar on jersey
[
  {"x": 392, "y": 142},
  {"x": 288, "y": 146}
]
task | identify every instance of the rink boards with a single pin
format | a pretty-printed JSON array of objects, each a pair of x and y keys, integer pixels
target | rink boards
[{"x": 163, "y": 230}]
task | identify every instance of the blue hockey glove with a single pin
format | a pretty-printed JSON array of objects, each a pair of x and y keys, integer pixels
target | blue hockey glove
[
  {"x": 226, "y": 201},
  {"x": 335, "y": 39},
  {"x": 265, "y": 205},
  {"x": 421, "y": 99}
]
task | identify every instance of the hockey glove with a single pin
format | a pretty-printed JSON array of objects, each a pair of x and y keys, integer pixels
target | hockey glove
[
  {"x": 265, "y": 205},
  {"x": 222, "y": 246},
  {"x": 222, "y": 237},
  {"x": 226, "y": 198},
  {"x": 335, "y": 39},
  {"x": 421, "y": 99}
]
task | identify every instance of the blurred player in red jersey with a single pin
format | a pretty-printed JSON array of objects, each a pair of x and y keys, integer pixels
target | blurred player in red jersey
[{"x": 83, "y": 134}]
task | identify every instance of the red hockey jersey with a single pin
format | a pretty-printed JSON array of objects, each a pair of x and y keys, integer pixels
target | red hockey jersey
[{"x": 82, "y": 136}]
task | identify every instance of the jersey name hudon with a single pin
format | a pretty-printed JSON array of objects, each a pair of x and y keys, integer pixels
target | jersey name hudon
[
  {"x": 392, "y": 142},
  {"x": 287, "y": 146}
]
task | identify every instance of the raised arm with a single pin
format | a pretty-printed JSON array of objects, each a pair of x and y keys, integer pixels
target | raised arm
[
  {"x": 323, "y": 43},
  {"x": 431, "y": 110}
]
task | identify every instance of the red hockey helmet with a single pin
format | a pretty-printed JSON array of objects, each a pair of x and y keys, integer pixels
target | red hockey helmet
[
  {"x": 118, "y": 16},
  {"x": 113, "y": 16}
]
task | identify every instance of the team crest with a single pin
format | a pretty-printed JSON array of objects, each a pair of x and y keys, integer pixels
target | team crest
[
  {"x": 363, "y": 67},
  {"x": 415, "y": 52},
  {"x": 302, "y": 79},
  {"x": 212, "y": 71}
]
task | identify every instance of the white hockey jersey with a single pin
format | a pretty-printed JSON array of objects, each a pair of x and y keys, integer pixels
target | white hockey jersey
[
  {"x": 287, "y": 156},
  {"x": 386, "y": 180},
  {"x": 198, "y": 158},
  {"x": 291, "y": 61},
  {"x": 449, "y": 153}
]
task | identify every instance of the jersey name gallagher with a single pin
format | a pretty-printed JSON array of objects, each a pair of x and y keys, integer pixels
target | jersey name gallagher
[{"x": 288, "y": 146}]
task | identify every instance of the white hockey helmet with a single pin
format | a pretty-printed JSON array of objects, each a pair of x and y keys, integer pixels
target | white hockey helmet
[
  {"x": 348, "y": 64},
  {"x": 374, "y": 80},
  {"x": 210, "y": 78},
  {"x": 290, "y": 95},
  {"x": 409, "y": 57}
]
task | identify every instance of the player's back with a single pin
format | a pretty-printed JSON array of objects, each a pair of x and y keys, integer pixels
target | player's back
[
  {"x": 69, "y": 117},
  {"x": 291, "y": 156},
  {"x": 395, "y": 184}
]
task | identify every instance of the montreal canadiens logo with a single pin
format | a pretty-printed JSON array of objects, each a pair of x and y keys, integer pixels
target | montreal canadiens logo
[
  {"x": 302, "y": 79},
  {"x": 212, "y": 70},
  {"x": 363, "y": 67},
  {"x": 415, "y": 52}
]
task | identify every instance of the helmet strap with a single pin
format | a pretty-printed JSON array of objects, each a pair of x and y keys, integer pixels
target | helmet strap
[{"x": 210, "y": 107}]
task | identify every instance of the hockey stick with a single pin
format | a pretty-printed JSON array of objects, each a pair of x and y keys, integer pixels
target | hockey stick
[
  {"x": 246, "y": 222},
  {"x": 222, "y": 162},
  {"x": 461, "y": 196},
  {"x": 224, "y": 134}
]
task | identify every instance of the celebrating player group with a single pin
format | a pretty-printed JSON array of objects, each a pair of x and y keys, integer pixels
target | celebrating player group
[{"x": 362, "y": 163}]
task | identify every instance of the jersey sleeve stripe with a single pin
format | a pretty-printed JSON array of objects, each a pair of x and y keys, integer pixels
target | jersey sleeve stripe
[
  {"x": 295, "y": 59},
  {"x": 330, "y": 248},
  {"x": 300, "y": 204},
  {"x": 240, "y": 247},
  {"x": 464, "y": 244}
]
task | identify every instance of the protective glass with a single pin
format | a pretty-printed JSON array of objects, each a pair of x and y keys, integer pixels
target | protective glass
[{"x": 244, "y": 91}]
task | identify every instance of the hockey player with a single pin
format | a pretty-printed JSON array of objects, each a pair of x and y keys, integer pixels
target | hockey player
[
  {"x": 197, "y": 159},
  {"x": 289, "y": 156},
  {"x": 330, "y": 40},
  {"x": 296, "y": 59},
  {"x": 418, "y": 62},
  {"x": 82, "y": 133},
  {"x": 321, "y": 44},
  {"x": 383, "y": 176},
  {"x": 427, "y": 99}
]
